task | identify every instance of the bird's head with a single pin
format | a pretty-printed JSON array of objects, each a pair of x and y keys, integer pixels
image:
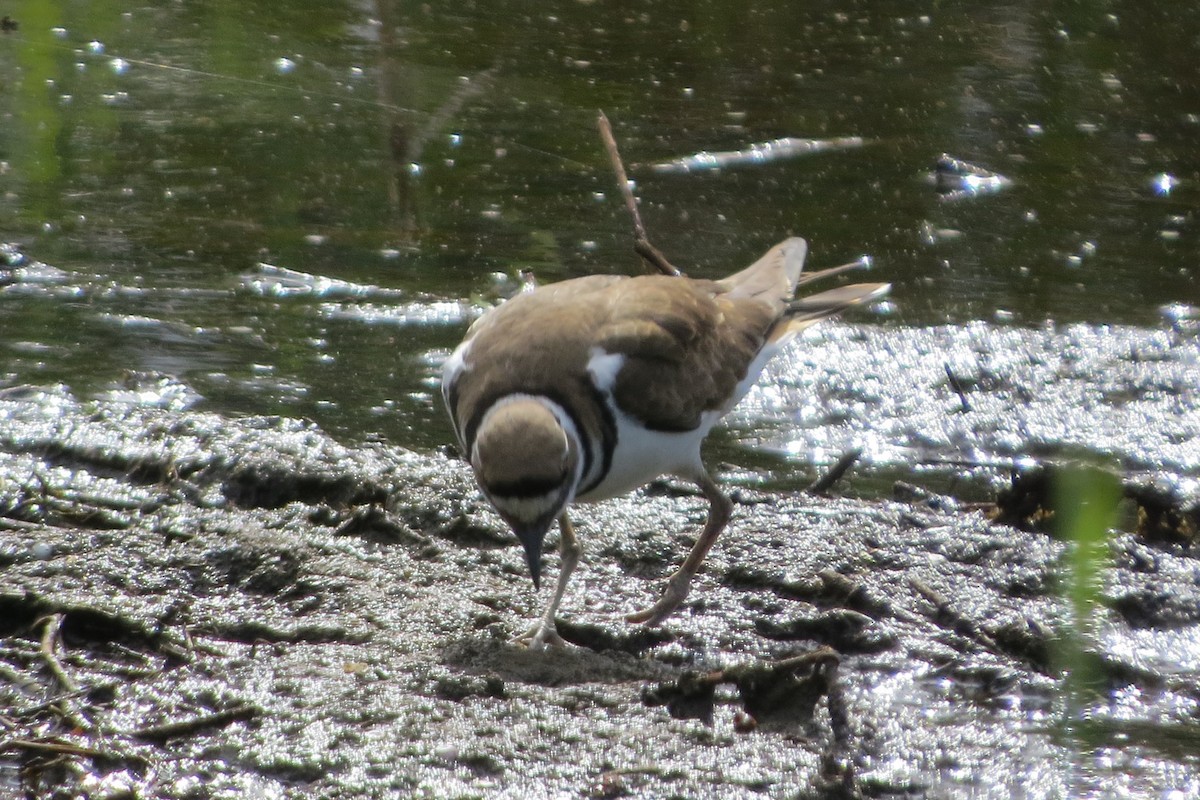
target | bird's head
[{"x": 526, "y": 458}]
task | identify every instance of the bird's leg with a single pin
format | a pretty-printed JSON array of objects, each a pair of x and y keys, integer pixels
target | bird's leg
[
  {"x": 544, "y": 631},
  {"x": 720, "y": 508}
]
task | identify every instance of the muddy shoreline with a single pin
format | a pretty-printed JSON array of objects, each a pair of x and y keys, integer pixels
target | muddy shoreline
[{"x": 246, "y": 607}]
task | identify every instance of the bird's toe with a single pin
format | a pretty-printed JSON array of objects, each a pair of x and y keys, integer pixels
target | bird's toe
[{"x": 540, "y": 637}]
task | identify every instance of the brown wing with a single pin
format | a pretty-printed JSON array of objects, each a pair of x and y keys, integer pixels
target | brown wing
[
  {"x": 686, "y": 344},
  {"x": 689, "y": 343}
]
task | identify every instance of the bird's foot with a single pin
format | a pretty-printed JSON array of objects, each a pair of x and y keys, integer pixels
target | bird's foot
[
  {"x": 675, "y": 593},
  {"x": 543, "y": 634}
]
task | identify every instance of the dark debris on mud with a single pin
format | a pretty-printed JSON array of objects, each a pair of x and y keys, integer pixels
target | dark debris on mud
[{"x": 196, "y": 606}]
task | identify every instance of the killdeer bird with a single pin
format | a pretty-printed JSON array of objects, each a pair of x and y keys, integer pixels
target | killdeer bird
[{"x": 588, "y": 388}]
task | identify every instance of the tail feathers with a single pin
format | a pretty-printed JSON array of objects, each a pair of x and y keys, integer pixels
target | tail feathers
[
  {"x": 805, "y": 311},
  {"x": 773, "y": 277}
]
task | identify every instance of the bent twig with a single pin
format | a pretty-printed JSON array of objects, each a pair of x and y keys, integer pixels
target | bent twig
[{"x": 651, "y": 254}]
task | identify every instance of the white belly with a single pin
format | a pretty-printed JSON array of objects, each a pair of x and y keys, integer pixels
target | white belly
[{"x": 642, "y": 455}]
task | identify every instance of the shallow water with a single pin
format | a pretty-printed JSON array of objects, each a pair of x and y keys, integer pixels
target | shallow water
[{"x": 158, "y": 157}]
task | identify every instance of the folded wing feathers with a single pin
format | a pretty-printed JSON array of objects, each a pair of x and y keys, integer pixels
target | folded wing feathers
[
  {"x": 831, "y": 301},
  {"x": 807, "y": 310},
  {"x": 829, "y": 272}
]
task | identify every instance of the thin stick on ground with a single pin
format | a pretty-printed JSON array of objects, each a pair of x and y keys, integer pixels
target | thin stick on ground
[
  {"x": 218, "y": 719},
  {"x": 50, "y": 638},
  {"x": 641, "y": 245},
  {"x": 835, "y": 473},
  {"x": 822, "y": 656},
  {"x": 956, "y": 385},
  {"x": 58, "y": 700},
  {"x": 63, "y": 748},
  {"x": 60, "y": 747}
]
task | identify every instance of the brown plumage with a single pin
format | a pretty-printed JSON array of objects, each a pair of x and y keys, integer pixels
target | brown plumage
[
  {"x": 687, "y": 342},
  {"x": 586, "y": 388}
]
